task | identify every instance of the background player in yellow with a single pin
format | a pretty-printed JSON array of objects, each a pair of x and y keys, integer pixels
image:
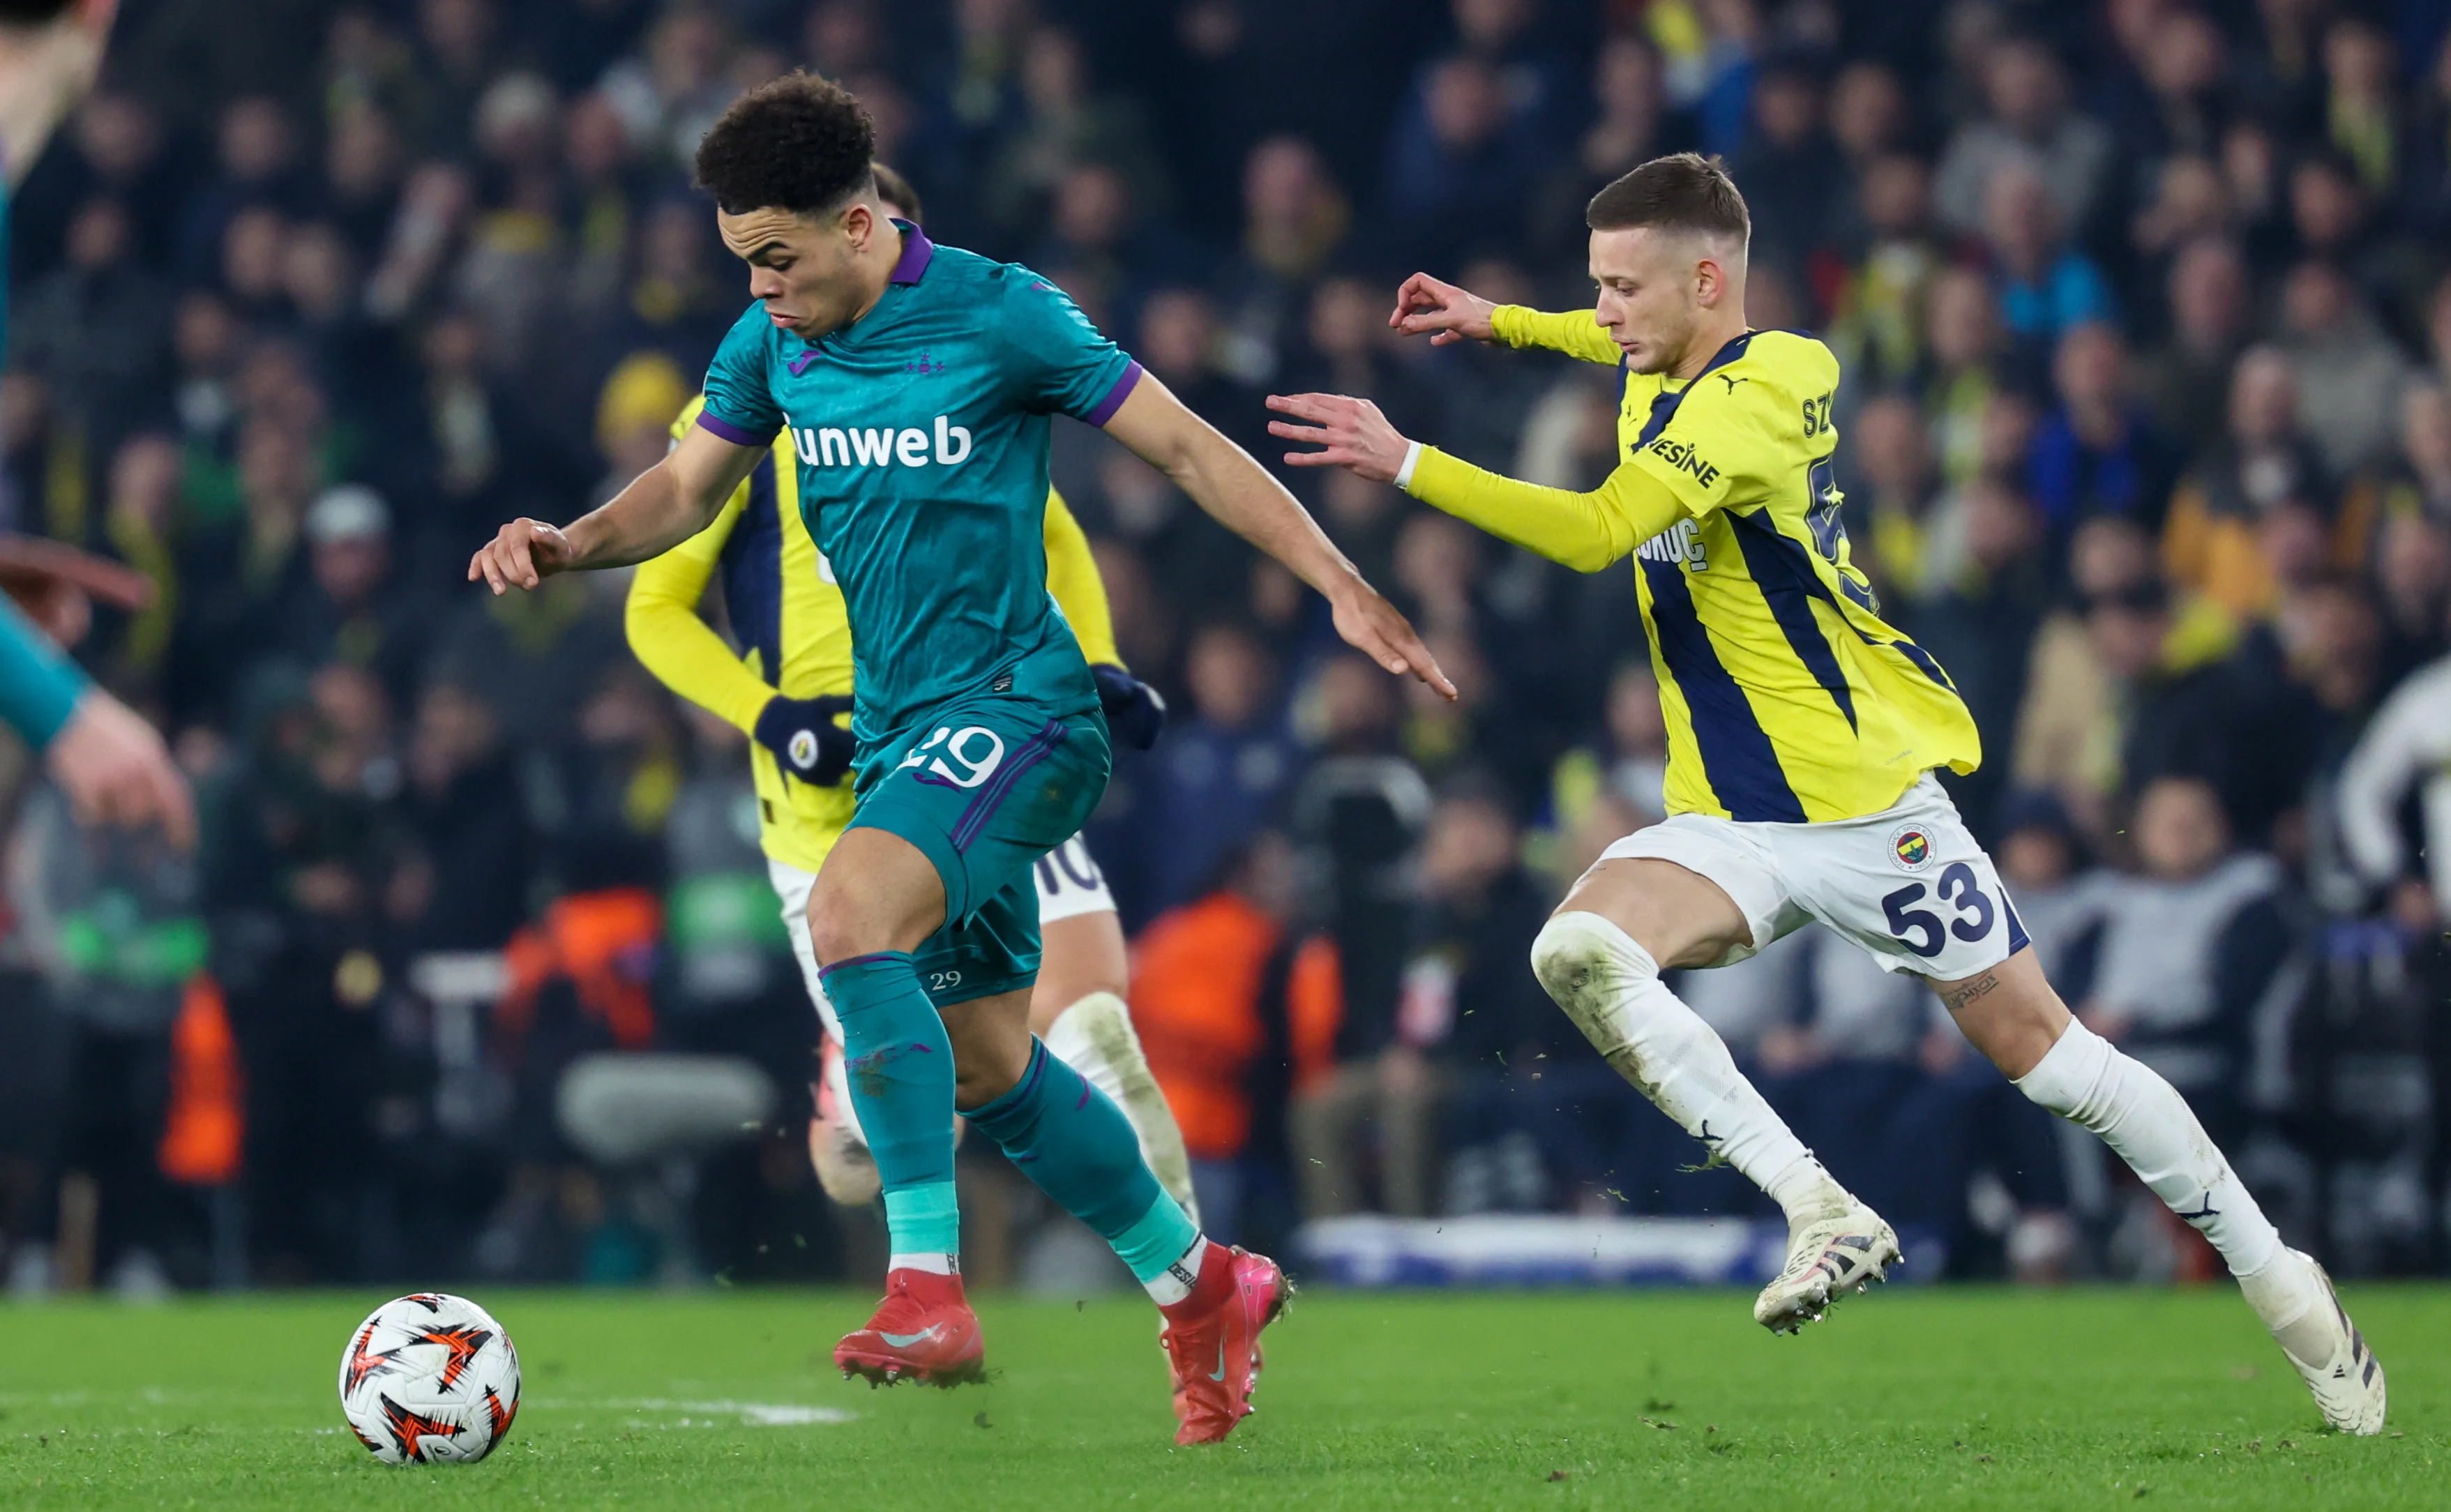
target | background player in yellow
[
  {"x": 1803, "y": 735},
  {"x": 789, "y": 688}
]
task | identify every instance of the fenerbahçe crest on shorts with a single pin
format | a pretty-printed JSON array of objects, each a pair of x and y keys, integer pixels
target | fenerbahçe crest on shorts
[{"x": 1788, "y": 699}]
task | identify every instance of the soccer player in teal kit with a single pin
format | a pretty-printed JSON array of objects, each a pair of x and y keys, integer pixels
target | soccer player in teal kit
[{"x": 918, "y": 382}]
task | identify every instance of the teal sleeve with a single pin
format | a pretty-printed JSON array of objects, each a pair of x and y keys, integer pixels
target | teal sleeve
[
  {"x": 39, "y": 686},
  {"x": 1059, "y": 362},
  {"x": 739, "y": 402}
]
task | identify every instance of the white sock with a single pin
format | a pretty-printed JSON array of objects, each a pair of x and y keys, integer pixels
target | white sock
[
  {"x": 1610, "y": 987},
  {"x": 1174, "y": 1283},
  {"x": 934, "y": 1264},
  {"x": 2086, "y": 1079},
  {"x": 1094, "y": 1036}
]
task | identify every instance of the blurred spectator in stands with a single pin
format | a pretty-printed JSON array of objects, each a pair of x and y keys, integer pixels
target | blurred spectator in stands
[
  {"x": 1978, "y": 615},
  {"x": 1868, "y": 114},
  {"x": 2183, "y": 379},
  {"x": 1963, "y": 323},
  {"x": 241, "y": 572},
  {"x": 1892, "y": 491},
  {"x": 95, "y": 332},
  {"x": 353, "y": 610},
  {"x": 1634, "y": 125},
  {"x": 1062, "y": 125},
  {"x": 2362, "y": 114},
  {"x": 1180, "y": 343},
  {"x": 359, "y": 360},
  {"x": 1218, "y": 772},
  {"x": 2349, "y": 374},
  {"x": 1629, "y": 765},
  {"x": 2028, "y": 126},
  {"x": 433, "y": 214},
  {"x": 1346, "y": 350},
  {"x": 2096, "y": 453},
  {"x": 206, "y": 339},
  {"x": 1357, "y": 816},
  {"x": 679, "y": 303},
  {"x": 1877, "y": 308},
  {"x": 2182, "y": 65},
  {"x": 603, "y": 191},
  {"x": 257, "y": 167},
  {"x": 472, "y": 851},
  {"x": 2047, "y": 284},
  {"x": 2412, "y": 569},
  {"x": 457, "y": 52},
  {"x": 2190, "y": 201},
  {"x": 2212, "y": 543},
  {"x": 112, "y": 150},
  {"x": 362, "y": 166},
  {"x": 1500, "y": 1052},
  {"x": 1237, "y": 1009},
  {"x": 510, "y": 274},
  {"x": 1294, "y": 220},
  {"x": 1795, "y": 178},
  {"x": 2190, "y": 945},
  {"x": 1457, "y": 176}
]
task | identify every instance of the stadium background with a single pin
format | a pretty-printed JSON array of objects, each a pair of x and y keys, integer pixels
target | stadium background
[{"x": 2146, "y": 326}]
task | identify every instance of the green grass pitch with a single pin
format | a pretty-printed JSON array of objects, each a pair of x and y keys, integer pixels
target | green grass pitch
[{"x": 1568, "y": 1400}]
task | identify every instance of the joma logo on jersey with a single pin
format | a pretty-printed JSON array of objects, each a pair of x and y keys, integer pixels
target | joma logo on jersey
[
  {"x": 1681, "y": 541},
  {"x": 881, "y": 447},
  {"x": 1682, "y": 456}
]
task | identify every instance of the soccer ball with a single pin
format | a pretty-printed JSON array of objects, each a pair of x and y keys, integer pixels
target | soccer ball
[{"x": 429, "y": 1379}]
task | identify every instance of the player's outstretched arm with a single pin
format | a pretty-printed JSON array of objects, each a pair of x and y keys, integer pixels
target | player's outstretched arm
[
  {"x": 1585, "y": 531},
  {"x": 1223, "y": 479},
  {"x": 663, "y": 506},
  {"x": 1433, "y": 307}
]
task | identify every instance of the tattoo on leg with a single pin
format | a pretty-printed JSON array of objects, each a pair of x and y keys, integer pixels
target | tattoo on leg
[{"x": 1965, "y": 993}]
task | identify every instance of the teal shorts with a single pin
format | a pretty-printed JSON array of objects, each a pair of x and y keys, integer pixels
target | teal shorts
[{"x": 990, "y": 787}]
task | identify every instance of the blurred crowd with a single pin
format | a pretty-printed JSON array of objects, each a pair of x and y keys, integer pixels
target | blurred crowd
[{"x": 2145, "y": 314}]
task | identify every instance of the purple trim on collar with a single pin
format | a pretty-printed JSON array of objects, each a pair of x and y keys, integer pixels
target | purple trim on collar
[
  {"x": 733, "y": 433},
  {"x": 916, "y": 250},
  {"x": 1106, "y": 407}
]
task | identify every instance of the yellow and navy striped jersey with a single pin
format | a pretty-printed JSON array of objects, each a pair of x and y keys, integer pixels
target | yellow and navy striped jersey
[
  {"x": 1788, "y": 699},
  {"x": 794, "y": 633}
]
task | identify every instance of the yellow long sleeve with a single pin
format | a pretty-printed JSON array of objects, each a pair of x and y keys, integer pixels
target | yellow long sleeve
[
  {"x": 1072, "y": 578},
  {"x": 1586, "y": 532},
  {"x": 1575, "y": 333},
  {"x": 683, "y": 650}
]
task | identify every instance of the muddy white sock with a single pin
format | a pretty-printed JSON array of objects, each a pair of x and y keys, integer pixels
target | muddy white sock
[{"x": 1610, "y": 987}]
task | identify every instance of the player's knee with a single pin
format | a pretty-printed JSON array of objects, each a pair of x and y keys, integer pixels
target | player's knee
[{"x": 1576, "y": 954}]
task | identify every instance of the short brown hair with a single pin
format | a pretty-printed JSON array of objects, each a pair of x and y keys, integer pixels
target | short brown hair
[{"x": 1684, "y": 191}]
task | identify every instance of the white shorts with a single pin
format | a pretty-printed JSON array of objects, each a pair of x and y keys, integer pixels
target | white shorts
[
  {"x": 1908, "y": 884},
  {"x": 1070, "y": 885}
]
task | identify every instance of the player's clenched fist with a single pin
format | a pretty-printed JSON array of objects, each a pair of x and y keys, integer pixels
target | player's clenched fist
[
  {"x": 1430, "y": 307},
  {"x": 523, "y": 554}
]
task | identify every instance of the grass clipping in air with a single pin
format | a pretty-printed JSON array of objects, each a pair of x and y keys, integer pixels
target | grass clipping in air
[{"x": 1938, "y": 1398}]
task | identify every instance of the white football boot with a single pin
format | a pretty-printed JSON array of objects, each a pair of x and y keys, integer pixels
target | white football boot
[
  {"x": 2332, "y": 1358},
  {"x": 1826, "y": 1259}
]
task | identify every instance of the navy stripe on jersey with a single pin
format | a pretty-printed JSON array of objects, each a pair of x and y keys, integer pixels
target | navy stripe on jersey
[
  {"x": 753, "y": 573},
  {"x": 1737, "y": 758},
  {"x": 1663, "y": 404},
  {"x": 1923, "y": 661},
  {"x": 1789, "y": 585}
]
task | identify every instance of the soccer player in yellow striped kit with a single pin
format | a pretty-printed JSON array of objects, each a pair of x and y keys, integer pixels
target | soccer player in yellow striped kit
[
  {"x": 789, "y": 689},
  {"x": 1803, "y": 734}
]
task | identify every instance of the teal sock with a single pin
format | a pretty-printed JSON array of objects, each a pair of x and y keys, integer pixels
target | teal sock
[
  {"x": 900, "y": 1068},
  {"x": 1080, "y": 1149}
]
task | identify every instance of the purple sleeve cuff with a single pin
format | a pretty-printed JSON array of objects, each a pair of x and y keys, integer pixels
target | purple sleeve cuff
[
  {"x": 733, "y": 433},
  {"x": 1106, "y": 407}
]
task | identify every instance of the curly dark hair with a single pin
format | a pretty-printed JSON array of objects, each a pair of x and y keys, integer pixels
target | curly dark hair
[{"x": 799, "y": 143}]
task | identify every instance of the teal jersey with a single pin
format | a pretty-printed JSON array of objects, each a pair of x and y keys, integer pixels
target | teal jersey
[{"x": 922, "y": 431}]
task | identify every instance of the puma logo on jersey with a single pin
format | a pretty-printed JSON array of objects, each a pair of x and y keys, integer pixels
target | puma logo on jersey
[
  {"x": 881, "y": 447},
  {"x": 1681, "y": 541},
  {"x": 1732, "y": 383},
  {"x": 1682, "y": 456}
]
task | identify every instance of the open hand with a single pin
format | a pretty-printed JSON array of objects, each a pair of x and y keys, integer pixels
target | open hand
[
  {"x": 1429, "y": 307},
  {"x": 1351, "y": 431},
  {"x": 1372, "y": 625},
  {"x": 522, "y": 553}
]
